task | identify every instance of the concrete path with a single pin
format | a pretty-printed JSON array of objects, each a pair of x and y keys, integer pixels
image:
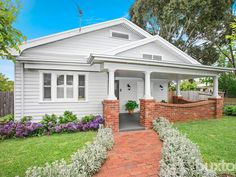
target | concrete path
[{"x": 135, "y": 154}]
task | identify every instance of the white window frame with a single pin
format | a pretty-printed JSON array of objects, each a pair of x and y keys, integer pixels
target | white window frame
[
  {"x": 152, "y": 54},
  {"x": 121, "y": 32},
  {"x": 48, "y": 86},
  {"x": 54, "y": 86}
]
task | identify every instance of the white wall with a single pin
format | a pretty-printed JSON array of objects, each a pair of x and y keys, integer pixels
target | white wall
[
  {"x": 125, "y": 94},
  {"x": 137, "y": 91},
  {"x": 153, "y": 48},
  {"x": 85, "y": 44},
  {"x": 156, "y": 91},
  {"x": 97, "y": 92}
]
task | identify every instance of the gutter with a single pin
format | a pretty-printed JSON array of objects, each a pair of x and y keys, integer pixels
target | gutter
[{"x": 93, "y": 58}]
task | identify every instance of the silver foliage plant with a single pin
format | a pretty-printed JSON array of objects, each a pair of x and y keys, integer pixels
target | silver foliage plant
[
  {"x": 180, "y": 157},
  {"x": 84, "y": 163}
]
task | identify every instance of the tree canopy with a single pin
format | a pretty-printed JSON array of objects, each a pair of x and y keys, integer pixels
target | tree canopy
[
  {"x": 5, "y": 84},
  {"x": 10, "y": 37},
  {"x": 197, "y": 27}
]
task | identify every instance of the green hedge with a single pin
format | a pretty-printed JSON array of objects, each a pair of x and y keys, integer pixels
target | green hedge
[{"x": 230, "y": 110}]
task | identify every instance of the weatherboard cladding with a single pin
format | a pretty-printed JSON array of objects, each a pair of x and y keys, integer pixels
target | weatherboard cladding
[{"x": 97, "y": 92}]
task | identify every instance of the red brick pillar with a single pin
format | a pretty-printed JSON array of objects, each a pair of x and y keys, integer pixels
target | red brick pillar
[
  {"x": 111, "y": 114},
  {"x": 177, "y": 99},
  {"x": 147, "y": 112},
  {"x": 219, "y": 104}
]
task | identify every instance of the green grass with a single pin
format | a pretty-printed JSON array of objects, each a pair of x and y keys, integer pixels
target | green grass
[
  {"x": 216, "y": 138},
  {"x": 16, "y": 155}
]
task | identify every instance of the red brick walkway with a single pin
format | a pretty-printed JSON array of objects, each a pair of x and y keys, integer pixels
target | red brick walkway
[{"x": 134, "y": 154}]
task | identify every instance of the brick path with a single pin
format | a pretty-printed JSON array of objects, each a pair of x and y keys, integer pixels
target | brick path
[{"x": 135, "y": 154}]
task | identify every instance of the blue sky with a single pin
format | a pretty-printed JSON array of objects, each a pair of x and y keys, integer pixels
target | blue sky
[{"x": 43, "y": 17}]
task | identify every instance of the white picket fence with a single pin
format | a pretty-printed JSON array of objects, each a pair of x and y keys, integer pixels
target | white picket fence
[
  {"x": 195, "y": 95},
  {"x": 191, "y": 95}
]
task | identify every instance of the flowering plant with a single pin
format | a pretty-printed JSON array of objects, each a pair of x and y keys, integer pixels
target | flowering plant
[{"x": 28, "y": 128}]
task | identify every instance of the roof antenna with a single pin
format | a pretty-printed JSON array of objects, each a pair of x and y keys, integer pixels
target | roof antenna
[{"x": 80, "y": 12}]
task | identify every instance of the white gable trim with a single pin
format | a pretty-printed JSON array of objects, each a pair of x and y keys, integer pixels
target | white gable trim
[
  {"x": 149, "y": 40},
  {"x": 79, "y": 31}
]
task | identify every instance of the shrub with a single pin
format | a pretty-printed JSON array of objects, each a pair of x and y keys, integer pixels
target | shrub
[
  {"x": 84, "y": 163},
  {"x": 6, "y": 118},
  {"x": 48, "y": 125},
  {"x": 88, "y": 118},
  {"x": 131, "y": 105},
  {"x": 68, "y": 116},
  {"x": 20, "y": 129},
  {"x": 74, "y": 127},
  {"x": 230, "y": 110},
  {"x": 49, "y": 122},
  {"x": 180, "y": 157},
  {"x": 26, "y": 119}
]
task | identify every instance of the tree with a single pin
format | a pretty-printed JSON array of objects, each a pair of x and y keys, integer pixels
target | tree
[
  {"x": 5, "y": 83},
  {"x": 185, "y": 85},
  {"x": 229, "y": 50},
  {"x": 10, "y": 38},
  {"x": 197, "y": 27}
]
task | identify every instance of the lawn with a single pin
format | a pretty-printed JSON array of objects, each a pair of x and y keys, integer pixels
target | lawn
[
  {"x": 216, "y": 138},
  {"x": 16, "y": 155}
]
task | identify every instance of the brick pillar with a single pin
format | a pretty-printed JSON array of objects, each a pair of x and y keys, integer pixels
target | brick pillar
[
  {"x": 111, "y": 114},
  {"x": 176, "y": 99},
  {"x": 219, "y": 104},
  {"x": 147, "y": 112}
]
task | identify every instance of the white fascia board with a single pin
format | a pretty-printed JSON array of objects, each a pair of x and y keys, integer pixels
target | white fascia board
[
  {"x": 142, "y": 42},
  {"x": 79, "y": 31},
  {"x": 96, "y": 58},
  {"x": 131, "y": 45},
  {"x": 60, "y": 66}
]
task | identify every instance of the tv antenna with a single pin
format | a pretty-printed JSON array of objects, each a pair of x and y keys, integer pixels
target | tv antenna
[{"x": 80, "y": 13}]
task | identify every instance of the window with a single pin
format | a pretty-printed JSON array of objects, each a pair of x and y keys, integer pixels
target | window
[
  {"x": 152, "y": 57},
  {"x": 65, "y": 86},
  {"x": 147, "y": 56},
  {"x": 119, "y": 35},
  {"x": 62, "y": 86},
  {"x": 47, "y": 81},
  {"x": 81, "y": 87}
]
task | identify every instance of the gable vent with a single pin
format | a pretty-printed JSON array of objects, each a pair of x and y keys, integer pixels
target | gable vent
[
  {"x": 152, "y": 57},
  {"x": 119, "y": 35}
]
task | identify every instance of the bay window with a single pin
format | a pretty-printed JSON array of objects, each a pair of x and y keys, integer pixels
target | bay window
[{"x": 63, "y": 86}]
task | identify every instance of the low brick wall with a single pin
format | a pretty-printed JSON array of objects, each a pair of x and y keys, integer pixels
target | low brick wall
[
  {"x": 111, "y": 111},
  {"x": 150, "y": 109}
]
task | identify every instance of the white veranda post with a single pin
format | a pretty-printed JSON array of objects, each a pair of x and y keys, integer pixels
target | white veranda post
[
  {"x": 147, "y": 85},
  {"x": 178, "y": 88},
  {"x": 111, "y": 81},
  {"x": 215, "y": 87}
]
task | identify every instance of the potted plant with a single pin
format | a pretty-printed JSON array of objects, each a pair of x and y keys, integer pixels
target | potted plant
[{"x": 131, "y": 106}]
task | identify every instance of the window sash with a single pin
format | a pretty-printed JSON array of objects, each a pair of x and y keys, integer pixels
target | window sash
[
  {"x": 82, "y": 86},
  {"x": 70, "y": 86},
  {"x": 47, "y": 96}
]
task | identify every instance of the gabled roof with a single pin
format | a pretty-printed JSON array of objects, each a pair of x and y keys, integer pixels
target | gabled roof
[
  {"x": 156, "y": 38},
  {"x": 79, "y": 31}
]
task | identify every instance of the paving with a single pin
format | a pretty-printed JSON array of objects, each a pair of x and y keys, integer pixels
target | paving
[
  {"x": 135, "y": 154},
  {"x": 130, "y": 122}
]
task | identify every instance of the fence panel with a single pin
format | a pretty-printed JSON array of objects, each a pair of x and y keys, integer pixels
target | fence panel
[
  {"x": 229, "y": 101},
  {"x": 6, "y": 103}
]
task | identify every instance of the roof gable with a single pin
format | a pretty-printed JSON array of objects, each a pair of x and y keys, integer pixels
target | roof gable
[
  {"x": 160, "y": 41},
  {"x": 79, "y": 31}
]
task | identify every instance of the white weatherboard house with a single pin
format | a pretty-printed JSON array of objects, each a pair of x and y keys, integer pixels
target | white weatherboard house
[{"x": 76, "y": 70}]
